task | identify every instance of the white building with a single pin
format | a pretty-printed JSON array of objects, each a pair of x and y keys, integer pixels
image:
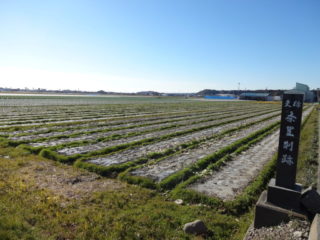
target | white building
[{"x": 303, "y": 88}]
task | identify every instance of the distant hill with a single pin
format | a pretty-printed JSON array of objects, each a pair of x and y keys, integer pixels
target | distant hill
[{"x": 208, "y": 92}]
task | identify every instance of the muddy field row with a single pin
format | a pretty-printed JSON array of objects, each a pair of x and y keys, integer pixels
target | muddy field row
[
  {"x": 116, "y": 125},
  {"x": 182, "y": 130},
  {"x": 206, "y": 136},
  {"x": 23, "y": 111},
  {"x": 232, "y": 178},
  {"x": 170, "y": 165},
  {"x": 120, "y": 131},
  {"x": 43, "y": 118},
  {"x": 181, "y": 134}
]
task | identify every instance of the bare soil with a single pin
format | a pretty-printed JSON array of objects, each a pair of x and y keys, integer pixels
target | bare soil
[{"x": 66, "y": 181}]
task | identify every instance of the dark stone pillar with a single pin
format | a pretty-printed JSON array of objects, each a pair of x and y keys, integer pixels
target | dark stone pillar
[
  {"x": 282, "y": 199},
  {"x": 289, "y": 140}
]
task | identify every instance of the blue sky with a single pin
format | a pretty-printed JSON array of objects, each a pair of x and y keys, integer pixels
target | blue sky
[{"x": 166, "y": 46}]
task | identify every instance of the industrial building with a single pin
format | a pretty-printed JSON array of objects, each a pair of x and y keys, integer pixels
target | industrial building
[
  {"x": 304, "y": 89},
  {"x": 221, "y": 97},
  {"x": 254, "y": 96}
]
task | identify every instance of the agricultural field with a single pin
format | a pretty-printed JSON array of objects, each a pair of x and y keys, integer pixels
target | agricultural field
[{"x": 214, "y": 154}]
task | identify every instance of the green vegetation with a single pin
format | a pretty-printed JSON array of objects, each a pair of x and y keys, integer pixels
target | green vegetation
[
  {"x": 307, "y": 168},
  {"x": 203, "y": 163},
  {"x": 29, "y": 212},
  {"x": 154, "y": 157},
  {"x": 140, "y": 132},
  {"x": 44, "y": 199},
  {"x": 136, "y": 133}
]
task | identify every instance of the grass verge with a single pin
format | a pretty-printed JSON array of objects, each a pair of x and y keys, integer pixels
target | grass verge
[
  {"x": 31, "y": 211},
  {"x": 308, "y": 151}
]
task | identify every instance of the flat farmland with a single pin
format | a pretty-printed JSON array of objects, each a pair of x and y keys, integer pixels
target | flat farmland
[
  {"x": 152, "y": 141},
  {"x": 204, "y": 152}
]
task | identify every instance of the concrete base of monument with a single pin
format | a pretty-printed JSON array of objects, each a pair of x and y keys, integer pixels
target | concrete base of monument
[
  {"x": 285, "y": 197},
  {"x": 268, "y": 214}
]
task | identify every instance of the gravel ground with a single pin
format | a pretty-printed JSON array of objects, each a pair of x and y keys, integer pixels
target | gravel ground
[{"x": 293, "y": 230}]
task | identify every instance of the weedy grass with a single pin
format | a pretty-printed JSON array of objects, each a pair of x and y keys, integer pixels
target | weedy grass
[
  {"x": 29, "y": 212},
  {"x": 308, "y": 151},
  {"x": 32, "y": 212}
]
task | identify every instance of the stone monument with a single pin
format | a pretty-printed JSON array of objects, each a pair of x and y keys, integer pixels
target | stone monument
[{"x": 282, "y": 198}]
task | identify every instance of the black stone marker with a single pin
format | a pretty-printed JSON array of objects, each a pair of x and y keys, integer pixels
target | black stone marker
[
  {"x": 282, "y": 200},
  {"x": 292, "y": 105}
]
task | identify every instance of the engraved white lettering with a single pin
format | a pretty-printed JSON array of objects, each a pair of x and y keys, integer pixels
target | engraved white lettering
[
  {"x": 288, "y": 145},
  {"x": 296, "y": 104},
  {"x": 289, "y": 131},
  {"x": 287, "y": 159},
  {"x": 287, "y": 103},
  {"x": 291, "y": 118}
]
